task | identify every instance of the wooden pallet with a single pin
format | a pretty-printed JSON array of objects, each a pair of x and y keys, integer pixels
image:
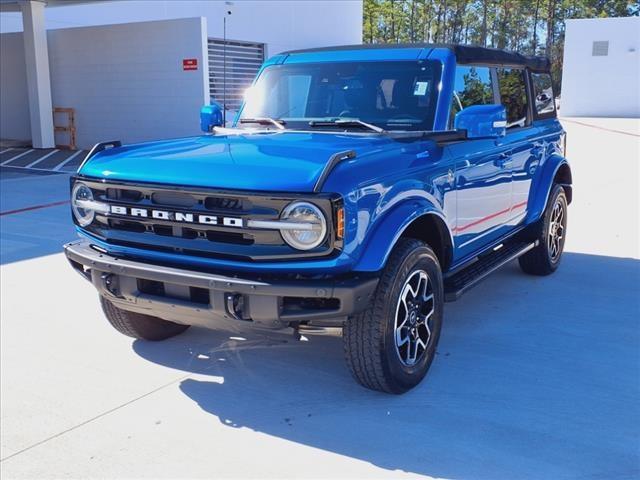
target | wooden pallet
[{"x": 69, "y": 128}]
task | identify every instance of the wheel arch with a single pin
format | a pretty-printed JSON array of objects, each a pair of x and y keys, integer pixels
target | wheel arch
[
  {"x": 556, "y": 171},
  {"x": 563, "y": 177},
  {"x": 422, "y": 222},
  {"x": 432, "y": 229}
]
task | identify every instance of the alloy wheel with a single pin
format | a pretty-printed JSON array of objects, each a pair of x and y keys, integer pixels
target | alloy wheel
[
  {"x": 414, "y": 314},
  {"x": 556, "y": 230}
]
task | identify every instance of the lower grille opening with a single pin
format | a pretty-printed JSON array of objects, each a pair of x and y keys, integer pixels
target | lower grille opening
[
  {"x": 163, "y": 230},
  {"x": 229, "y": 237},
  {"x": 199, "y": 295},
  {"x": 136, "y": 227},
  {"x": 151, "y": 287},
  {"x": 303, "y": 304}
]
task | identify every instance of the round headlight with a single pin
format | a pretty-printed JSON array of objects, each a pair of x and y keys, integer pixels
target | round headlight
[
  {"x": 80, "y": 194},
  {"x": 313, "y": 225}
]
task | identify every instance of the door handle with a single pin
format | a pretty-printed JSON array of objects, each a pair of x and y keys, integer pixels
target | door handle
[
  {"x": 537, "y": 150},
  {"x": 504, "y": 159}
]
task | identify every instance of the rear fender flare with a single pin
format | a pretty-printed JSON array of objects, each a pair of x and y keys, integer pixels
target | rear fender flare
[{"x": 542, "y": 188}]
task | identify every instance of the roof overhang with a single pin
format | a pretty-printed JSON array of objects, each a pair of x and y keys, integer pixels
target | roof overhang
[{"x": 14, "y": 5}]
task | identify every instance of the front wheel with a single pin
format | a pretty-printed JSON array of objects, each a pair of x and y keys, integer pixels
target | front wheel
[{"x": 390, "y": 346}]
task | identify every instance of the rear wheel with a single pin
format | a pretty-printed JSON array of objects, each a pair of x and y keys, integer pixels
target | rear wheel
[
  {"x": 390, "y": 346},
  {"x": 137, "y": 325},
  {"x": 551, "y": 233}
]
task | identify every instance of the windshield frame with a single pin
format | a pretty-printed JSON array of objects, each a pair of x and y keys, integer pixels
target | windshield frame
[{"x": 306, "y": 123}]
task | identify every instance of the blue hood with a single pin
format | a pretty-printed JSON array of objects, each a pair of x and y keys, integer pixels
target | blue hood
[{"x": 279, "y": 161}]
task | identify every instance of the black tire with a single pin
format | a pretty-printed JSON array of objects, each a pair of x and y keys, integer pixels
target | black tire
[
  {"x": 370, "y": 337},
  {"x": 137, "y": 325},
  {"x": 545, "y": 258}
]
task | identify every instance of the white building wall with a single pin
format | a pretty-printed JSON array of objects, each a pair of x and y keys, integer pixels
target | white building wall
[
  {"x": 125, "y": 79},
  {"x": 280, "y": 24},
  {"x": 125, "y": 82},
  {"x": 14, "y": 101},
  {"x": 601, "y": 86}
]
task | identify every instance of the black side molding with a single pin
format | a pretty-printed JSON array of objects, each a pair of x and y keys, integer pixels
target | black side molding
[
  {"x": 98, "y": 147},
  {"x": 335, "y": 159}
]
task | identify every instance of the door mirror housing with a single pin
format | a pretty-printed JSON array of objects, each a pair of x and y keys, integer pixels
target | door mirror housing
[
  {"x": 482, "y": 121},
  {"x": 210, "y": 116}
]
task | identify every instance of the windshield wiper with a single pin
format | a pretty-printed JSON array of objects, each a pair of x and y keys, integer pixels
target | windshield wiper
[
  {"x": 264, "y": 121},
  {"x": 346, "y": 122}
]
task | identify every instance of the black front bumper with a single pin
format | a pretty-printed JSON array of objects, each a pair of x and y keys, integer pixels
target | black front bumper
[{"x": 205, "y": 299}]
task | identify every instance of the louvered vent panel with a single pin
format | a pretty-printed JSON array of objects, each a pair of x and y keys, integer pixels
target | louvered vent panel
[
  {"x": 600, "y": 49},
  {"x": 243, "y": 60}
]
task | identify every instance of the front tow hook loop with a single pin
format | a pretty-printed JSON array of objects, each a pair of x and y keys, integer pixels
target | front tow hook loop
[
  {"x": 234, "y": 304},
  {"x": 110, "y": 282}
]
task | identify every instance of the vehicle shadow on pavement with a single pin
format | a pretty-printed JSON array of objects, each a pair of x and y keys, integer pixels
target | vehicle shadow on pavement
[{"x": 535, "y": 378}]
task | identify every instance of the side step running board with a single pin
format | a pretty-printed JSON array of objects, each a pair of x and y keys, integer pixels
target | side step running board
[{"x": 470, "y": 276}]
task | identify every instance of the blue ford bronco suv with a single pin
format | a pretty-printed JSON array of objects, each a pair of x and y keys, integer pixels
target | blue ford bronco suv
[{"x": 359, "y": 187}]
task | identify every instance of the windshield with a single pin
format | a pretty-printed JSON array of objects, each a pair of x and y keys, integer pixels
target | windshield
[{"x": 391, "y": 95}]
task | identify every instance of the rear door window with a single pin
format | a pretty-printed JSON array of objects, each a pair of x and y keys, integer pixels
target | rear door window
[
  {"x": 543, "y": 94},
  {"x": 513, "y": 95}
]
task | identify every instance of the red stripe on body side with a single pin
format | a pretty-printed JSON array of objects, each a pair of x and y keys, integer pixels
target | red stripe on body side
[{"x": 488, "y": 217}]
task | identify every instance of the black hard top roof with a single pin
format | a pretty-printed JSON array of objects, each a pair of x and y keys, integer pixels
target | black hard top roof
[{"x": 463, "y": 53}]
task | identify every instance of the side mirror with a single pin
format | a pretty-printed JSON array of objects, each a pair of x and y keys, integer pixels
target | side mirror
[
  {"x": 482, "y": 121},
  {"x": 210, "y": 116}
]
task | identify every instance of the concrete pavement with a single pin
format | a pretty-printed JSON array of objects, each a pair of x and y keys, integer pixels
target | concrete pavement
[{"x": 536, "y": 378}]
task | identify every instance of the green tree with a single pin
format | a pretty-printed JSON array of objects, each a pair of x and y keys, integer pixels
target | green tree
[{"x": 532, "y": 27}]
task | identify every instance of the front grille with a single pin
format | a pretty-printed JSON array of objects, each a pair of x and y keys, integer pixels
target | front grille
[{"x": 220, "y": 240}]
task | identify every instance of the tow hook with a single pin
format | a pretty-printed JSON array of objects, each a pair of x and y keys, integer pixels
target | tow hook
[
  {"x": 234, "y": 303},
  {"x": 110, "y": 282}
]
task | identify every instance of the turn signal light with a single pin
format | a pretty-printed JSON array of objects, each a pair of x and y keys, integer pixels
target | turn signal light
[{"x": 340, "y": 223}]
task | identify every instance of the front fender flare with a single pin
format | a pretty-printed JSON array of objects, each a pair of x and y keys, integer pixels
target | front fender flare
[{"x": 388, "y": 230}]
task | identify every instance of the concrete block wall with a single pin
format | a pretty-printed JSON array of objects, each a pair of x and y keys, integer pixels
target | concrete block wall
[{"x": 126, "y": 82}]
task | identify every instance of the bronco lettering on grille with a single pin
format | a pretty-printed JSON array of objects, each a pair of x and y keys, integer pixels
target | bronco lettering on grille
[{"x": 176, "y": 216}]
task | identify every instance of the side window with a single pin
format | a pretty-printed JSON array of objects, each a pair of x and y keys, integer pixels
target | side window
[
  {"x": 472, "y": 86},
  {"x": 513, "y": 95},
  {"x": 543, "y": 94}
]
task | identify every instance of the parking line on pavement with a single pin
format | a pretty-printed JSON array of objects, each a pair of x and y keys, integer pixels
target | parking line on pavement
[
  {"x": 17, "y": 157},
  {"x": 59, "y": 166},
  {"x": 6, "y": 150},
  {"x": 34, "y": 207},
  {"x": 35, "y": 169},
  {"x": 598, "y": 127},
  {"x": 41, "y": 158}
]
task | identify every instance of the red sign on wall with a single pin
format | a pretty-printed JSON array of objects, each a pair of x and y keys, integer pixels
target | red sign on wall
[{"x": 189, "y": 64}]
